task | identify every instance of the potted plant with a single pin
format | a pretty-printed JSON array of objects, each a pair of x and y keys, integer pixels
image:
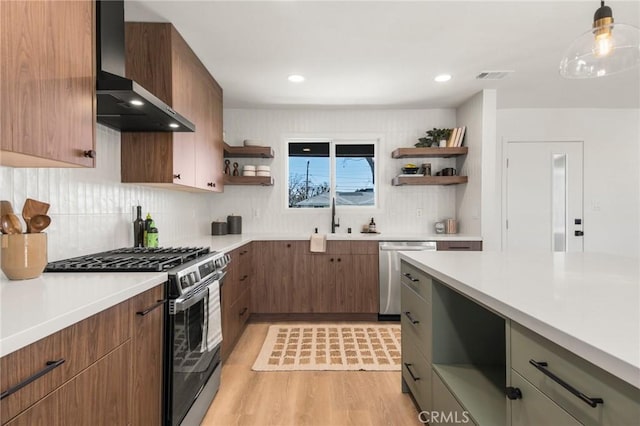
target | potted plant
[{"x": 434, "y": 136}]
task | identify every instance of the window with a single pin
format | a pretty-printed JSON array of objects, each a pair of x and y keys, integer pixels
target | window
[{"x": 322, "y": 170}]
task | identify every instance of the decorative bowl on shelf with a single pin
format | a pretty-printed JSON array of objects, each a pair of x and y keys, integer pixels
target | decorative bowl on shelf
[{"x": 410, "y": 170}]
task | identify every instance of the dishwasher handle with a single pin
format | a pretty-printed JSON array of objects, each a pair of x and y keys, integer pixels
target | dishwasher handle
[{"x": 408, "y": 248}]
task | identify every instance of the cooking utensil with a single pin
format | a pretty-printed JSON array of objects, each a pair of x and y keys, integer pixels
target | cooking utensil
[
  {"x": 5, "y": 207},
  {"x": 39, "y": 223},
  {"x": 11, "y": 224},
  {"x": 31, "y": 208}
]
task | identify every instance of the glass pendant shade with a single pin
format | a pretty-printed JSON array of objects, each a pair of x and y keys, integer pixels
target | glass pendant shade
[{"x": 606, "y": 49}]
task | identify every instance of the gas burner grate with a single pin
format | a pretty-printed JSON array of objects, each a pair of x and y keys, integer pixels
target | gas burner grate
[{"x": 130, "y": 259}]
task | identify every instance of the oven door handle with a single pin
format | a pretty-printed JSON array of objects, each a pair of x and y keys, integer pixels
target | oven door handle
[{"x": 182, "y": 305}]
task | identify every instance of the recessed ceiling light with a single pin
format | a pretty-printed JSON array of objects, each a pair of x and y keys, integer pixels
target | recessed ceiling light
[
  {"x": 174, "y": 125},
  {"x": 442, "y": 78},
  {"x": 136, "y": 102},
  {"x": 296, "y": 78}
]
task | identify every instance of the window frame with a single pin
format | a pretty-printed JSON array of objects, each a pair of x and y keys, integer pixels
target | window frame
[{"x": 333, "y": 141}]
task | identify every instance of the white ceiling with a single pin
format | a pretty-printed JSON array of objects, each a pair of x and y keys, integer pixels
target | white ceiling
[{"x": 386, "y": 53}]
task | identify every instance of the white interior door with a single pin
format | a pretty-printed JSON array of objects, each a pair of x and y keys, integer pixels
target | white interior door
[{"x": 544, "y": 196}]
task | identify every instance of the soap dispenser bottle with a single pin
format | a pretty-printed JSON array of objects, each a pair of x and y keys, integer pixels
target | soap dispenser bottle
[{"x": 372, "y": 226}]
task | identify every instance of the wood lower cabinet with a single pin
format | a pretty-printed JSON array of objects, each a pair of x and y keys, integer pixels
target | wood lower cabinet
[
  {"x": 236, "y": 297},
  {"x": 47, "y": 84},
  {"x": 100, "y": 395},
  {"x": 182, "y": 160},
  {"x": 147, "y": 315},
  {"x": 278, "y": 268},
  {"x": 459, "y": 245},
  {"x": 104, "y": 370},
  {"x": 291, "y": 279}
]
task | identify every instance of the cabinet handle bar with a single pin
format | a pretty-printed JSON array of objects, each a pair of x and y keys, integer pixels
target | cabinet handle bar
[
  {"x": 148, "y": 310},
  {"x": 51, "y": 365},
  {"x": 408, "y": 315},
  {"x": 414, "y": 280},
  {"x": 593, "y": 402},
  {"x": 413, "y": 376}
]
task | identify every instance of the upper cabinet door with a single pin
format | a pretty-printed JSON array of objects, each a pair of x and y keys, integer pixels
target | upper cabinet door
[
  {"x": 161, "y": 61},
  {"x": 47, "y": 83}
]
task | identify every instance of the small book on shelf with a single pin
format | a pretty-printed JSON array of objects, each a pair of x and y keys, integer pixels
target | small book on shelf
[
  {"x": 452, "y": 138},
  {"x": 460, "y": 137}
]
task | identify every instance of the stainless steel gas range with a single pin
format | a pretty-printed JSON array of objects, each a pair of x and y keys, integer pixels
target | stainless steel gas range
[{"x": 193, "y": 333}]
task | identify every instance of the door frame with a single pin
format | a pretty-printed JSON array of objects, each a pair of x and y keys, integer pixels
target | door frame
[{"x": 504, "y": 148}]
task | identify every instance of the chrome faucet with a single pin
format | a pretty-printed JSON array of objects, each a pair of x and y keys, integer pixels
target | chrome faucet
[{"x": 334, "y": 224}]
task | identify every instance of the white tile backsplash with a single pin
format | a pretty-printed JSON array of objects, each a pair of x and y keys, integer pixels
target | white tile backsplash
[
  {"x": 92, "y": 211},
  {"x": 397, "y": 205}
]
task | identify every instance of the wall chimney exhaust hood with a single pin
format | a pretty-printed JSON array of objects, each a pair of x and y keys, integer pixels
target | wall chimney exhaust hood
[{"x": 122, "y": 103}]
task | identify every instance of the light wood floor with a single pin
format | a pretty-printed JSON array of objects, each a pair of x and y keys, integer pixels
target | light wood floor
[{"x": 299, "y": 398}]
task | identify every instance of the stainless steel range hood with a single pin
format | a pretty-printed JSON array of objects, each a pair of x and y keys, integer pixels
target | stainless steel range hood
[{"x": 122, "y": 103}]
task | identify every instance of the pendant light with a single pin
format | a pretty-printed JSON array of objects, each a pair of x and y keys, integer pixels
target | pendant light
[{"x": 606, "y": 49}]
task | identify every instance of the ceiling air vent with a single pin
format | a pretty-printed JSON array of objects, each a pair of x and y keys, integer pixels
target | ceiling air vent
[{"x": 492, "y": 75}]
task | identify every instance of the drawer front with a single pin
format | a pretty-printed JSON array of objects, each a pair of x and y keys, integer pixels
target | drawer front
[
  {"x": 79, "y": 345},
  {"x": 447, "y": 406},
  {"x": 417, "y": 280},
  {"x": 416, "y": 372},
  {"x": 534, "y": 408},
  {"x": 242, "y": 308},
  {"x": 99, "y": 395},
  {"x": 621, "y": 401},
  {"x": 459, "y": 245},
  {"x": 245, "y": 265},
  {"x": 416, "y": 320}
]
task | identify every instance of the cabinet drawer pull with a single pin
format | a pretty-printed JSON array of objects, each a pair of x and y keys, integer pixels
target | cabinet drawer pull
[
  {"x": 244, "y": 311},
  {"x": 413, "y": 376},
  {"x": 90, "y": 153},
  {"x": 413, "y": 321},
  {"x": 513, "y": 393},
  {"x": 244, "y": 277},
  {"x": 459, "y": 248},
  {"x": 593, "y": 402},
  {"x": 51, "y": 365},
  {"x": 148, "y": 310},
  {"x": 413, "y": 280},
  {"x": 211, "y": 184},
  {"x": 177, "y": 176}
]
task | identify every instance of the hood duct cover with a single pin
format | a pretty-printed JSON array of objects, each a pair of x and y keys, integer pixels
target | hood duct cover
[{"x": 122, "y": 103}]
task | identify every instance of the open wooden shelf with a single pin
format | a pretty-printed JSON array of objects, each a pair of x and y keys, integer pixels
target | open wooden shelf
[
  {"x": 248, "y": 180},
  {"x": 429, "y": 152},
  {"x": 428, "y": 180},
  {"x": 480, "y": 390},
  {"x": 247, "y": 151}
]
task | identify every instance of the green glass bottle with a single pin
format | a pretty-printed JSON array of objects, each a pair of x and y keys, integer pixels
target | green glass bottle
[{"x": 147, "y": 225}]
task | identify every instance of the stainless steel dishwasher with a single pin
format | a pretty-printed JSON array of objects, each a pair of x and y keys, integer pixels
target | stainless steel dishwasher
[{"x": 389, "y": 284}]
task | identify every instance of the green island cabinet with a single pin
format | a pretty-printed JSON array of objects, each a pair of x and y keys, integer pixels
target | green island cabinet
[{"x": 466, "y": 364}]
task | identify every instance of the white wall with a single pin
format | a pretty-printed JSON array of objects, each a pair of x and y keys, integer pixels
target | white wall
[
  {"x": 477, "y": 203},
  {"x": 611, "y": 163},
  {"x": 91, "y": 210},
  {"x": 264, "y": 208}
]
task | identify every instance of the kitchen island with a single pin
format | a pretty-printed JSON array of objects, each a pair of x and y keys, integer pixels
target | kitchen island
[{"x": 489, "y": 311}]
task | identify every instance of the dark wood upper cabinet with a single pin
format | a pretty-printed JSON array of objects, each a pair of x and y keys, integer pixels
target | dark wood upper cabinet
[
  {"x": 47, "y": 83},
  {"x": 159, "y": 59}
]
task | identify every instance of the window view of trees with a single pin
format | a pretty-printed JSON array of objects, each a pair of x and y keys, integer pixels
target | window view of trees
[{"x": 312, "y": 184}]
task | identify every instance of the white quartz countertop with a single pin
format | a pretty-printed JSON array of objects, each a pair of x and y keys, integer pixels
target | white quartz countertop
[
  {"x": 33, "y": 309},
  {"x": 585, "y": 302}
]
